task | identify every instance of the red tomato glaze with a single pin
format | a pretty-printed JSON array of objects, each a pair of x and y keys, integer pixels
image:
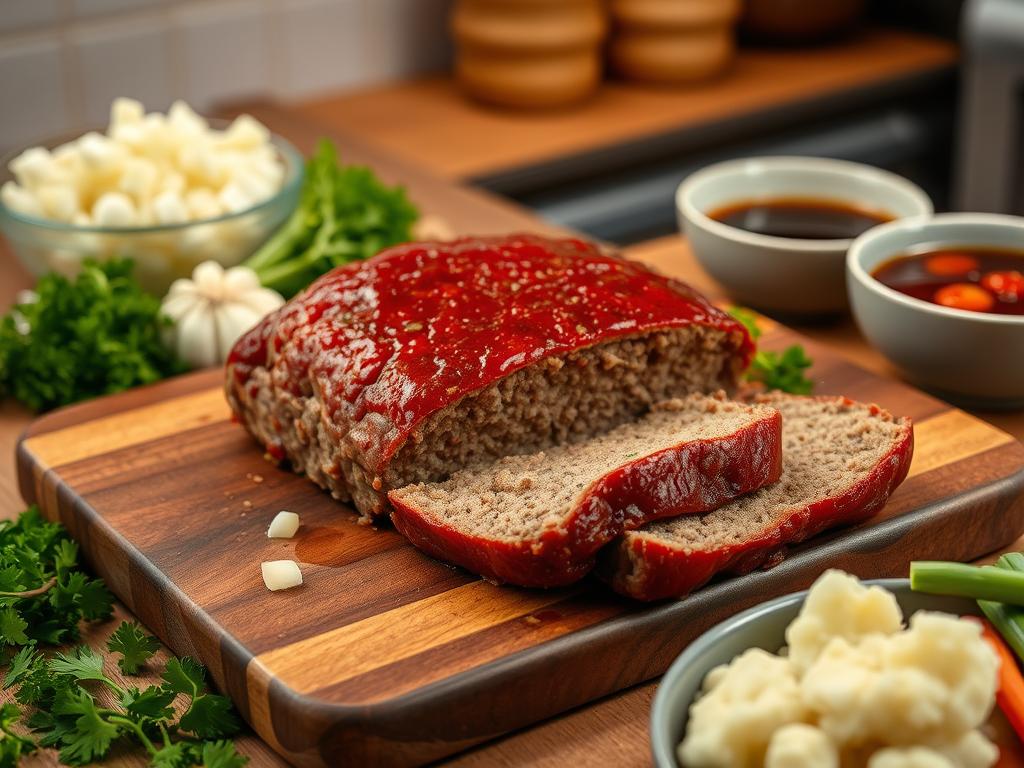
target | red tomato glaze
[{"x": 421, "y": 325}]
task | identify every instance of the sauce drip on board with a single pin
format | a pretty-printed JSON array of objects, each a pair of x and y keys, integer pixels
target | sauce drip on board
[
  {"x": 976, "y": 279},
  {"x": 799, "y": 217}
]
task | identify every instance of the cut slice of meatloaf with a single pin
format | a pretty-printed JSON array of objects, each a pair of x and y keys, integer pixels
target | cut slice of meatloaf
[
  {"x": 538, "y": 520},
  {"x": 431, "y": 357},
  {"x": 841, "y": 461}
]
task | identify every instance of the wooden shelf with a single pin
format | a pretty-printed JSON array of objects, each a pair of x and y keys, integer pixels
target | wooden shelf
[{"x": 429, "y": 123}]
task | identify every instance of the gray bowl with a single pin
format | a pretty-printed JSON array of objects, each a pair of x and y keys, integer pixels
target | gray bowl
[
  {"x": 972, "y": 358},
  {"x": 785, "y": 274},
  {"x": 763, "y": 626}
]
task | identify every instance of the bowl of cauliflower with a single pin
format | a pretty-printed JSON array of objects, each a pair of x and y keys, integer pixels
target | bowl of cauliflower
[
  {"x": 169, "y": 191},
  {"x": 845, "y": 674}
]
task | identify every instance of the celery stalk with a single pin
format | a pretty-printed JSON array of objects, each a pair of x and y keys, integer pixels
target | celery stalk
[
  {"x": 1008, "y": 621},
  {"x": 1012, "y": 560},
  {"x": 997, "y": 584}
]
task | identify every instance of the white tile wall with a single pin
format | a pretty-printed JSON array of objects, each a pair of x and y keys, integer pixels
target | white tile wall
[
  {"x": 17, "y": 14},
  {"x": 97, "y": 7},
  {"x": 33, "y": 102},
  {"x": 63, "y": 61},
  {"x": 407, "y": 37},
  {"x": 323, "y": 46},
  {"x": 223, "y": 51},
  {"x": 123, "y": 58}
]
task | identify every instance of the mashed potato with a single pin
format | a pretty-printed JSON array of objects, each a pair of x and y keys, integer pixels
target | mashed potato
[{"x": 855, "y": 689}]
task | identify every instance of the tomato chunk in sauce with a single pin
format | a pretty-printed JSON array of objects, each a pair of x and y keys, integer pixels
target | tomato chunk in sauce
[{"x": 976, "y": 279}]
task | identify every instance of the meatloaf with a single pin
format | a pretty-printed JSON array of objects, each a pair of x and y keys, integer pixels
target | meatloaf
[
  {"x": 539, "y": 520},
  {"x": 841, "y": 461},
  {"x": 431, "y": 357}
]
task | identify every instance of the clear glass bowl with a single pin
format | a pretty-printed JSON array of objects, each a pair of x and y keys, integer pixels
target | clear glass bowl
[{"x": 161, "y": 253}]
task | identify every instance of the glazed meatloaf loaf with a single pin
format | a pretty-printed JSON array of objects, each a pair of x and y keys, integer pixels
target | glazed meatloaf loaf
[{"x": 432, "y": 357}]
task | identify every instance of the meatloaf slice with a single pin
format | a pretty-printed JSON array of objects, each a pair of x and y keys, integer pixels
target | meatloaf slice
[
  {"x": 841, "y": 461},
  {"x": 538, "y": 520},
  {"x": 435, "y": 356}
]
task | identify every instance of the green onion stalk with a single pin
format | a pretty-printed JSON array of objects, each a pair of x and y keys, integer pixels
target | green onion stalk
[{"x": 999, "y": 590}]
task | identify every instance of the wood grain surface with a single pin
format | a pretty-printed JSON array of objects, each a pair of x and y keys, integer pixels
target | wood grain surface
[
  {"x": 385, "y": 656},
  {"x": 430, "y": 124}
]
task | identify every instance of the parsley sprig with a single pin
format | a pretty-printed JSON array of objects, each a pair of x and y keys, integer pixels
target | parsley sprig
[
  {"x": 75, "y": 339},
  {"x": 66, "y": 698},
  {"x": 43, "y": 594},
  {"x": 346, "y": 213},
  {"x": 783, "y": 370},
  {"x": 82, "y": 711},
  {"x": 13, "y": 746}
]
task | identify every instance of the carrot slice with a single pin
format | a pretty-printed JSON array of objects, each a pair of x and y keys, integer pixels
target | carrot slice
[
  {"x": 965, "y": 296},
  {"x": 1010, "y": 696},
  {"x": 1008, "y": 285},
  {"x": 951, "y": 264}
]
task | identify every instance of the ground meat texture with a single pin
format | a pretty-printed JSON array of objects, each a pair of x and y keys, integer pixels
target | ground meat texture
[
  {"x": 538, "y": 520},
  {"x": 431, "y": 357},
  {"x": 841, "y": 462}
]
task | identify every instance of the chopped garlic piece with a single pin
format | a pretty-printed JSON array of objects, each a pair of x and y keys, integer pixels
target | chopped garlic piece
[
  {"x": 281, "y": 574},
  {"x": 283, "y": 526},
  {"x": 114, "y": 209}
]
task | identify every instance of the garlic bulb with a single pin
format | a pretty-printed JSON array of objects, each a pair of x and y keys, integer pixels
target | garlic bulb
[{"x": 213, "y": 309}]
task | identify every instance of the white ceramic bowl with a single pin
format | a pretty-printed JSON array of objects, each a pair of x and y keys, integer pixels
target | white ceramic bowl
[
  {"x": 783, "y": 274},
  {"x": 970, "y": 357}
]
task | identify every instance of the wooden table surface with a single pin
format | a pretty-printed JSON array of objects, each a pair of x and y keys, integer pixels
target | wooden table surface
[
  {"x": 610, "y": 732},
  {"x": 416, "y": 121}
]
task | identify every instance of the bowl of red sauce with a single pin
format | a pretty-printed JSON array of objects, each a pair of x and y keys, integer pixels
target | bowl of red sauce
[{"x": 943, "y": 299}]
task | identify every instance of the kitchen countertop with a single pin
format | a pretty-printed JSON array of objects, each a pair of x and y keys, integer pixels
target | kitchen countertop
[{"x": 612, "y": 731}]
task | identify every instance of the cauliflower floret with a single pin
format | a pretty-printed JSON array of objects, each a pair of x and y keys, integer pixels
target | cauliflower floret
[
  {"x": 952, "y": 652},
  {"x": 912, "y": 757},
  {"x": 744, "y": 704},
  {"x": 801, "y": 746},
  {"x": 916, "y": 687},
  {"x": 838, "y": 605},
  {"x": 973, "y": 750}
]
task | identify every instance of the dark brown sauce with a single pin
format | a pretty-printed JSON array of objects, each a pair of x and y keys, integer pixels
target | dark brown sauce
[
  {"x": 963, "y": 277},
  {"x": 801, "y": 218}
]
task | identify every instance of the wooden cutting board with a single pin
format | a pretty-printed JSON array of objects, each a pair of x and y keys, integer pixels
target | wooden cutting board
[{"x": 385, "y": 656}]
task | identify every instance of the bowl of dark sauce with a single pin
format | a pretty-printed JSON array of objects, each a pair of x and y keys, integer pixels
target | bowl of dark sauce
[
  {"x": 943, "y": 299},
  {"x": 802, "y": 218},
  {"x": 774, "y": 231}
]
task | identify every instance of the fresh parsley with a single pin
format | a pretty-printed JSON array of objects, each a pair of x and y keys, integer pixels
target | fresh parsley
[
  {"x": 76, "y": 339},
  {"x": 72, "y": 717},
  {"x": 134, "y": 645},
  {"x": 43, "y": 595},
  {"x": 785, "y": 370},
  {"x": 345, "y": 214},
  {"x": 65, "y": 698},
  {"x": 13, "y": 745}
]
